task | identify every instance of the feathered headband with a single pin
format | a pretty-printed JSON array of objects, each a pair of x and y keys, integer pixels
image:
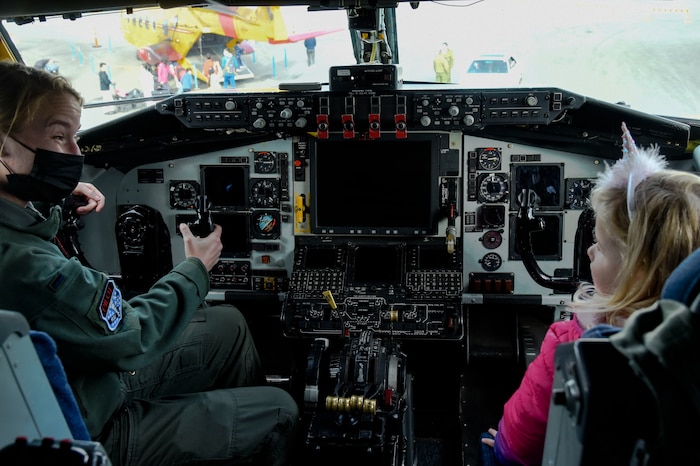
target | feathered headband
[{"x": 634, "y": 167}]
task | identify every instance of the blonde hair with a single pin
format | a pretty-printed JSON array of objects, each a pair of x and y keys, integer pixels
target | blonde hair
[
  {"x": 24, "y": 90},
  {"x": 664, "y": 230}
]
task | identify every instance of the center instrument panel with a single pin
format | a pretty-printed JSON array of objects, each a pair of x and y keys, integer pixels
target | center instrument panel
[{"x": 379, "y": 209}]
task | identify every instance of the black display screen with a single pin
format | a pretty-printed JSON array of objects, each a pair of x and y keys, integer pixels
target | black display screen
[
  {"x": 435, "y": 259},
  {"x": 235, "y": 234},
  {"x": 374, "y": 187},
  {"x": 376, "y": 265},
  {"x": 321, "y": 258},
  {"x": 226, "y": 187},
  {"x": 543, "y": 182},
  {"x": 235, "y": 231},
  {"x": 546, "y": 243}
]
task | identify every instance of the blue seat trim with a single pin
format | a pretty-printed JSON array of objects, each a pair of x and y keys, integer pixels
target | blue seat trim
[{"x": 683, "y": 284}]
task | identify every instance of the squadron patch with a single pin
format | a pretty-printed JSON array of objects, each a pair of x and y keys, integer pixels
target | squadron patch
[{"x": 111, "y": 306}]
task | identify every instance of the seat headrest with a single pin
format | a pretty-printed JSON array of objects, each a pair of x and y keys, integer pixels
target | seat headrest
[{"x": 683, "y": 284}]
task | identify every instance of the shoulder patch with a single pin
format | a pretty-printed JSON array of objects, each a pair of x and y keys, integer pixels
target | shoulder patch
[{"x": 110, "y": 309}]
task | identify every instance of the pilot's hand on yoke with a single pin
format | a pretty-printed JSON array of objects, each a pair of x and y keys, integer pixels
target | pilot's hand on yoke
[
  {"x": 88, "y": 198},
  {"x": 207, "y": 249}
]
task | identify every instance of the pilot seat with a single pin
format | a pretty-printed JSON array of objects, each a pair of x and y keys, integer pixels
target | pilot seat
[{"x": 632, "y": 397}]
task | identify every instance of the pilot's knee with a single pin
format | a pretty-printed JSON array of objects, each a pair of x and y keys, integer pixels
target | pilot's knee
[{"x": 288, "y": 410}]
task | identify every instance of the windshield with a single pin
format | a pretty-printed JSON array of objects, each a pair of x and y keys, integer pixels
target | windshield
[{"x": 642, "y": 54}]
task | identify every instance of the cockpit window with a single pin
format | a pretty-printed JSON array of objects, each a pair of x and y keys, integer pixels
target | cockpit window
[{"x": 641, "y": 54}]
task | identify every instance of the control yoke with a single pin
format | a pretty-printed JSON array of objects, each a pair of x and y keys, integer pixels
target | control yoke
[{"x": 525, "y": 225}]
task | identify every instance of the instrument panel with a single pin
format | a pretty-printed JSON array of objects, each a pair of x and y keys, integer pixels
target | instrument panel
[{"x": 384, "y": 210}]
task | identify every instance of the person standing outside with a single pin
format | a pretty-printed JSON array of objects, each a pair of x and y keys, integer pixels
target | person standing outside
[
  {"x": 106, "y": 85},
  {"x": 450, "y": 57},
  {"x": 228, "y": 64},
  {"x": 310, "y": 45},
  {"x": 238, "y": 55},
  {"x": 210, "y": 69},
  {"x": 159, "y": 378},
  {"x": 187, "y": 80},
  {"x": 163, "y": 72},
  {"x": 442, "y": 66},
  {"x": 647, "y": 223}
]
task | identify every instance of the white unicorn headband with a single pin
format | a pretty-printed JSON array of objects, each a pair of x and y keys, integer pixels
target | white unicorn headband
[{"x": 634, "y": 167}]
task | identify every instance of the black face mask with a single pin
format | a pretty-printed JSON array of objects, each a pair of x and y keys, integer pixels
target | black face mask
[{"x": 54, "y": 176}]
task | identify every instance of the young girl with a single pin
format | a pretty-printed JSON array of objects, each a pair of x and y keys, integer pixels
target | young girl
[{"x": 647, "y": 222}]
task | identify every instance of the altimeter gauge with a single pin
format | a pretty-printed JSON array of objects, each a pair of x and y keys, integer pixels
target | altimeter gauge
[
  {"x": 265, "y": 193},
  {"x": 493, "y": 187},
  {"x": 183, "y": 194}
]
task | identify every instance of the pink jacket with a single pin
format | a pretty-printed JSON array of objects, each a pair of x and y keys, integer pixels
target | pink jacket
[
  {"x": 163, "y": 71},
  {"x": 521, "y": 430}
]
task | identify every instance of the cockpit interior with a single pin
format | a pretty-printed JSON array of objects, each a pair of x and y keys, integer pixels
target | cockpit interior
[{"x": 398, "y": 248}]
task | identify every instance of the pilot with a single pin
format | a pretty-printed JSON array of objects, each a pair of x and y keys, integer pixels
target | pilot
[{"x": 159, "y": 378}]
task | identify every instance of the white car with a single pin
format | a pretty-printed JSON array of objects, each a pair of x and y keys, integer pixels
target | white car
[{"x": 492, "y": 70}]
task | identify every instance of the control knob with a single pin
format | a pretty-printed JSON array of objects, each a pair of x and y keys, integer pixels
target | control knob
[
  {"x": 230, "y": 105},
  {"x": 259, "y": 123},
  {"x": 425, "y": 120},
  {"x": 468, "y": 119},
  {"x": 286, "y": 114},
  {"x": 531, "y": 100},
  {"x": 453, "y": 110},
  {"x": 301, "y": 122}
]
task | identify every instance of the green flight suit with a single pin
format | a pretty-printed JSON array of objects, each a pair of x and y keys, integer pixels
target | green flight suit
[{"x": 153, "y": 375}]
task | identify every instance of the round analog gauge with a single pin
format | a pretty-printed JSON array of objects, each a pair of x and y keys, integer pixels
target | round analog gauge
[
  {"x": 490, "y": 159},
  {"x": 183, "y": 194},
  {"x": 265, "y": 162},
  {"x": 492, "y": 239},
  {"x": 266, "y": 225},
  {"x": 491, "y": 262},
  {"x": 578, "y": 192},
  {"x": 493, "y": 187},
  {"x": 265, "y": 193}
]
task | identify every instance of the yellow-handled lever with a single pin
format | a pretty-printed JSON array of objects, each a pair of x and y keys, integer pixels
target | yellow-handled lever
[
  {"x": 300, "y": 208},
  {"x": 329, "y": 297}
]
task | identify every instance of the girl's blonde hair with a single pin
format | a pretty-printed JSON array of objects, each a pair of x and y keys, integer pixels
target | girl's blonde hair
[{"x": 664, "y": 230}]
